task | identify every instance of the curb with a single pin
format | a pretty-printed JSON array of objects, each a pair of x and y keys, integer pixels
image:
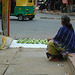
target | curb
[
  {"x": 71, "y": 63},
  {"x": 57, "y": 13},
  {"x": 53, "y": 18}
]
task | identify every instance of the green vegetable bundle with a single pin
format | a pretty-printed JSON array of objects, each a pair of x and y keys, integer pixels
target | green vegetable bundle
[{"x": 32, "y": 41}]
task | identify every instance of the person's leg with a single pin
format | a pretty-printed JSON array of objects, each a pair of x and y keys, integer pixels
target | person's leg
[
  {"x": 52, "y": 52},
  {"x": 52, "y": 49}
]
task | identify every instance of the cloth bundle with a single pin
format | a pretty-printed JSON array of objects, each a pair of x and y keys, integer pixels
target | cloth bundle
[{"x": 5, "y": 42}]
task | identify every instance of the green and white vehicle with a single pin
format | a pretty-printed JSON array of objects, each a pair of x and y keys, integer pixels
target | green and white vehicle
[{"x": 21, "y": 9}]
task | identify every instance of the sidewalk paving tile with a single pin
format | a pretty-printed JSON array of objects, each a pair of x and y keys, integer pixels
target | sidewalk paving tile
[
  {"x": 34, "y": 62},
  {"x": 7, "y": 55},
  {"x": 3, "y": 68}
]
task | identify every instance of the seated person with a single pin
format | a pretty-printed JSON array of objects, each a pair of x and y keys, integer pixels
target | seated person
[{"x": 63, "y": 43}]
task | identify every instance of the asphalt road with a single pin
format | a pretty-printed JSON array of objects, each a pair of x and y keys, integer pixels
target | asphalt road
[{"x": 37, "y": 28}]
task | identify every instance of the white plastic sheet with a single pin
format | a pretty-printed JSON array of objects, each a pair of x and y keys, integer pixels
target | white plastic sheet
[{"x": 14, "y": 44}]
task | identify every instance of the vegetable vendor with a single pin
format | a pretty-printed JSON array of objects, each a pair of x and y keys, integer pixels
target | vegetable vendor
[{"x": 64, "y": 41}]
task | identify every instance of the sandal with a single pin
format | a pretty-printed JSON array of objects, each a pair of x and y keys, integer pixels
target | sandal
[{"x": 53, "y": 59}]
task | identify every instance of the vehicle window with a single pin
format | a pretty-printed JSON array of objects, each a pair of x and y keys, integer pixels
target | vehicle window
[{"x": 30, "y": 1}]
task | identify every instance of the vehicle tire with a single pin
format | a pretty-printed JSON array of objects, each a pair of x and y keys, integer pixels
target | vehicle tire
[
  {"x": 20, "y": 17},
  {"x": 31, "y": 18}
]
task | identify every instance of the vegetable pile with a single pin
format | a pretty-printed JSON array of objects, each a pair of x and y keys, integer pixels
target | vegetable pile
[{"x": 32, "y": 41}]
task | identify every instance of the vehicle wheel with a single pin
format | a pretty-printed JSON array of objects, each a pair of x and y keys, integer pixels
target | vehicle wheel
[
  {"x": 20, "y": 17},
  {"x": 31, "y": 18}
]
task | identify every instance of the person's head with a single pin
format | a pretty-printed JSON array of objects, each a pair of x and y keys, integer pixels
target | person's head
[{"x": 65, "y": 20}]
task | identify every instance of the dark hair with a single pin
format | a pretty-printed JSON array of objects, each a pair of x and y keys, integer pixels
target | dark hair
[{"x": 66, "y": 21}]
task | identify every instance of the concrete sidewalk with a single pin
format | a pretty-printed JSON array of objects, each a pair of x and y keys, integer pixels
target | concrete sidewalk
[
  {"x": 58, "y": 13},
  {"x": 30, "y": 61}
]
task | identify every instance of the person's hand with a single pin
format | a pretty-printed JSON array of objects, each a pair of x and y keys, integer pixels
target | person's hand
[{"x": 49, "y": 39}]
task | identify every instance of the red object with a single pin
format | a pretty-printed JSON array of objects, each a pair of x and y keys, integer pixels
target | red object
[
  {"x": 34, "y": 10},
  {"x": 9, "y": 17}
]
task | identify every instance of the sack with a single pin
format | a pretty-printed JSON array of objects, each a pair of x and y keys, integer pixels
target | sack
[{"x": 5, "y": 42}]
